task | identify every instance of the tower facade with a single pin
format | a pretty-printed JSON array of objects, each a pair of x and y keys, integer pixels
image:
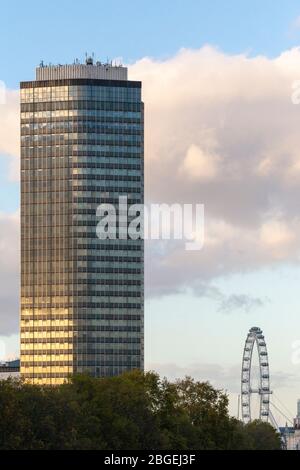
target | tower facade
[{"x": 82, "y": 298}]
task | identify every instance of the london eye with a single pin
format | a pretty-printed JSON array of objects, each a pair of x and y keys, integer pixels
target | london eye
[{"x": 255, "y": 341}]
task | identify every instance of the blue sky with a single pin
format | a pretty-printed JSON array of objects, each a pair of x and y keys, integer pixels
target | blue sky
[
  {"x": 63, "y": 30},
  {"x": 183, "y": 330}
]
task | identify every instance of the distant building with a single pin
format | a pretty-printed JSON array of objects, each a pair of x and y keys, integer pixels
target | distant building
[
  {"x": 10, "y": 369},
  {"x": 291, "y": 434},
  {"x": 297, "y": 419}
]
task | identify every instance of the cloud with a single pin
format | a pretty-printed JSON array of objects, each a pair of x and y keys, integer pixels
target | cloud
[
  {"x": 227, "y": 378},
  {"x": 9, "y": 131},
  {"x": 9, "y": 223},
  {"x": 199, "y": 165},
  {"x": 219, "y": 376},
  {"x": 222, "y": 130},
  {"x": 226, "y": 303},
  {"x": 240, "y": 301},
  {"x": 9, "y": 273}
]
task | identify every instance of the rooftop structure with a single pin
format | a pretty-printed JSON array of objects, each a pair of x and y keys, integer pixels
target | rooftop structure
[
  {"x": 89, "y": 70},
  {"x": 10, "y": 369}
]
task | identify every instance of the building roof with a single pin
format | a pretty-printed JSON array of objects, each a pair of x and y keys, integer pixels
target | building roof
[
  {"x": 10, "y": 366},
  {"x": 286, "y": 430}
]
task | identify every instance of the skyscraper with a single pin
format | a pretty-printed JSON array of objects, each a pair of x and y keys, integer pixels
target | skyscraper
[{"x": 82, "y": 298}]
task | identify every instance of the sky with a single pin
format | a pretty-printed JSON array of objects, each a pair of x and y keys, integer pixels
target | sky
[{"x": 221, "y": 129}]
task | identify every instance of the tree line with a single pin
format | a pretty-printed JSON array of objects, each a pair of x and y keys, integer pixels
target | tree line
[{"x": 133, "y": 411}]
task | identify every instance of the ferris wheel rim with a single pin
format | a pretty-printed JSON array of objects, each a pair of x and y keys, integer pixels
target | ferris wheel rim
[{"x": 256, "y": 338}]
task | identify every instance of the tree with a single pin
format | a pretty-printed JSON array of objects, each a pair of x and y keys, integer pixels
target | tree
[
  {"x": 136, "y": 410},
  {"x": 261, "y": 436}
]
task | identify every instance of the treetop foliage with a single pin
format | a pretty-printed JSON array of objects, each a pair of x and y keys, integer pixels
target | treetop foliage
[{"x": 134, "y": 411}]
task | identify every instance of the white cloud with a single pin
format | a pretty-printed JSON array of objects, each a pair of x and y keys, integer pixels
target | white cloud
[
  {"x": 9, "y": 273},
  {"x": 275, "y": 233},
  {"x": 222, "y": 130},
  {"x": 9, "y": 131},
  {"x": 199, "y": 165}
]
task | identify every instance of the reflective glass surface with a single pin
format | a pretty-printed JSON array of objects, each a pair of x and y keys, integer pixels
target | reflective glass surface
[{"x": 82, "y": 299}]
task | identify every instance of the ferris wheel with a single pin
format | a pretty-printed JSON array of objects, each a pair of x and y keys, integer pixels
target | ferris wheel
[{"x": 256, "y": 338}]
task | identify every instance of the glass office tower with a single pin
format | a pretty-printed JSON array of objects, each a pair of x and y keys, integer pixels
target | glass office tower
[{"x": 82, "y": 298}]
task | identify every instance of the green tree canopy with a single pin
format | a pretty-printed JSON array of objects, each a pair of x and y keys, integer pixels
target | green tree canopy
[{"x": 133, "y": 411}]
